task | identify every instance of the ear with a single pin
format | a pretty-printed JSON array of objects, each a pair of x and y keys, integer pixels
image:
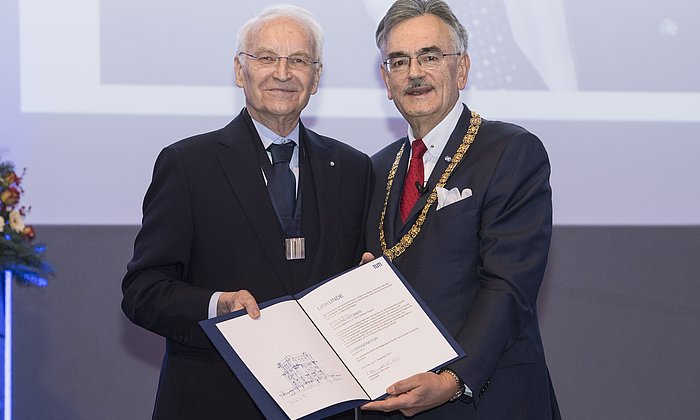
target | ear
[
  {"x": 238, "y": 71},
  {"x": 463, "y": 66},
  {"x": 317, "y": 78},
  {"x": 385, "y": 77}
]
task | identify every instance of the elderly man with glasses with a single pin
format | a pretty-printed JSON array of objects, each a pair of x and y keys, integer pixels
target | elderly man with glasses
[
  {"x": 261, "y": 208},
  {"x": 462, "y": 205}
]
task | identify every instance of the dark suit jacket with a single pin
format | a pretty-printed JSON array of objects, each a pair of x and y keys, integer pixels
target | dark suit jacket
[
  {"x": 209, "y": 225},
  {"x": 478, "y": 263}
]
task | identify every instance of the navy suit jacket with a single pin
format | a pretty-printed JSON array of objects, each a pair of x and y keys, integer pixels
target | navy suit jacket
[
  {"x": 209, "y": 225},
  {"x": 478, "y": 263}
]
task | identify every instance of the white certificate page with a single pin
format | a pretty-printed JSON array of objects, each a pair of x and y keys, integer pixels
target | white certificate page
[
  {"x": 376, "y": 326},
  {"x": 288, "y": 356}
]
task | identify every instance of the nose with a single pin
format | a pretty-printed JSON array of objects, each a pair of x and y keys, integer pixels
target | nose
[
  {"x": 281, "y": 72},
  {"x": 415, "y": 70}
]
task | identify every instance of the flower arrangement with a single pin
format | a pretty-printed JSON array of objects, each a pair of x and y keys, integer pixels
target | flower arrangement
[{"x": 19, "y": 255}]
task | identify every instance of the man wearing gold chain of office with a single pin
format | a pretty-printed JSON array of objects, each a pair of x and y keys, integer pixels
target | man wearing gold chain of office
[{"x": 462, "y": 206}]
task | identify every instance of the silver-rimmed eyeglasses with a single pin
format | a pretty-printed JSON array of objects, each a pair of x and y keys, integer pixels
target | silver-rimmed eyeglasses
[
  {"x": 428, "y": 61},
  {"x": 300, "y": 62}
]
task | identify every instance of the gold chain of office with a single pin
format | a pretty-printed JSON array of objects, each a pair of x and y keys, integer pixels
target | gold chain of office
[{"x": 407, "y": 239}]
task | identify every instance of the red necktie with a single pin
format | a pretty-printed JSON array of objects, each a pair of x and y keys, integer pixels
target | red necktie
[{"x": 414, "y": 177}]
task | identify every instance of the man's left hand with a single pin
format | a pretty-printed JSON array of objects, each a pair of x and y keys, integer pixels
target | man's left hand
[
  {"x": 366, "y": 257},
  {"x": 416, "y": 394}
]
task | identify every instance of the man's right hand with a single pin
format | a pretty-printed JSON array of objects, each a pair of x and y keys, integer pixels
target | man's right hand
[{"x": 234, "y": 301}]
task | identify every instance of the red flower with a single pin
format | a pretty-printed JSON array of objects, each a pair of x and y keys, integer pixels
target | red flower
[
  {"x": 10, "y": 196},
  {"x": 28, "y": 232}
]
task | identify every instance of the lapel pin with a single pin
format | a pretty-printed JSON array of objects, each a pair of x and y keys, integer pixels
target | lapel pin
[
  {"x": 448, "y": 159},
  {"x": 332, "y": 163}
]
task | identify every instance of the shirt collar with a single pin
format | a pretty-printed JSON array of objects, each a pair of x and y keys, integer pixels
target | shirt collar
[
  {"x": 268, "y": 136},
  {"x": 437, "y": 138}
]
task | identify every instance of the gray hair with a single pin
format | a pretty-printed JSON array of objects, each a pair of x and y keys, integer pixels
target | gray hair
[
  {"x": 403, "y": 10},
  {"x": 303, "y": 16}
]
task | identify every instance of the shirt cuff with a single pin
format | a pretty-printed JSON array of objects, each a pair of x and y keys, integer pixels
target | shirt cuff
[{"x": 213, "y": 302}]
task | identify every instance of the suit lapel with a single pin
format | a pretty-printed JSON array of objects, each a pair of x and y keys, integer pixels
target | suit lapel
[
  {"x": 243, "y": 173},
  {"x": 450, "y": 148},
  {"x": 326, "y": 172}
]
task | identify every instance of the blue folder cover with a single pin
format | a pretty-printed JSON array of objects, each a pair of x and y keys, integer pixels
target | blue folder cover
[{"x": 257, "y": 391}]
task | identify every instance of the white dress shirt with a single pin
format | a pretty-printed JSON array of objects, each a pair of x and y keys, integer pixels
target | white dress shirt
[{"x": 436, "y": 139}]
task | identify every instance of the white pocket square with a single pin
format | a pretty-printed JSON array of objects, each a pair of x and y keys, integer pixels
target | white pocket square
[{"x": 446, "y": 197}]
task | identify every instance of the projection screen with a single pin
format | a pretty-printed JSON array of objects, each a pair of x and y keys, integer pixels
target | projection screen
[{"x": 97, "y": 88}]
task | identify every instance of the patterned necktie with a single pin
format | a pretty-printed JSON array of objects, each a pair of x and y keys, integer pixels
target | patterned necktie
[
  {"x": 414, "y": 179},
  {"x": 281, "y": 181}
]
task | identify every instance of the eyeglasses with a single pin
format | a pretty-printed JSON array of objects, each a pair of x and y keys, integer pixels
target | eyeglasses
[
  {"x": 300, "y": 62},
  {"x": 427, "y": 61}
]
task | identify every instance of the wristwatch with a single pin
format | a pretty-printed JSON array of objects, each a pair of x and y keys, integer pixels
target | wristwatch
[{"x": 461, "y": 386}]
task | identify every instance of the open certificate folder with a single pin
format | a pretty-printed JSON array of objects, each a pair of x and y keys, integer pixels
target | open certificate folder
[{"x": 334, "y": 346}]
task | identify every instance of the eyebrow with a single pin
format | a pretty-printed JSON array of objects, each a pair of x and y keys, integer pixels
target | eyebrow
[{"x": 432, "y": 48}]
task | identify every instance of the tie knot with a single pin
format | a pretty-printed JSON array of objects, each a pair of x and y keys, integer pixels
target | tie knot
[
  {"x": 418, "y": 148},
  {"x": 281, "y": 153}
]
